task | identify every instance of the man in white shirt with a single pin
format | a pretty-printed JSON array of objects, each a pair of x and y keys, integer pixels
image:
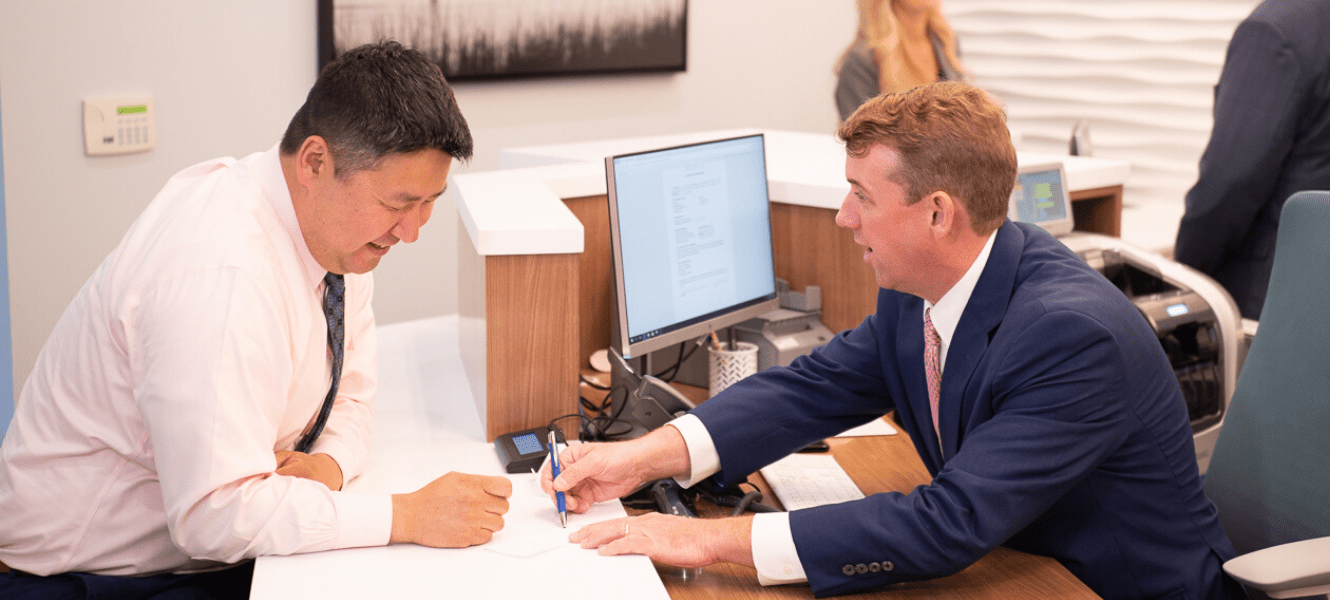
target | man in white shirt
[
  {"x": 210, "y": 388},
  {"x": 1038, "y": 398}
]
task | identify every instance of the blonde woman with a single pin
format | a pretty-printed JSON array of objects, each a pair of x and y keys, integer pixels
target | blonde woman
[{"x": 900, "y": 44}]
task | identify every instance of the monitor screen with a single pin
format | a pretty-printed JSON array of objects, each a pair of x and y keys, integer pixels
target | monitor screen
[
  {"x": 690, "y": 235},
  {"x": 1040, "y": 197}
]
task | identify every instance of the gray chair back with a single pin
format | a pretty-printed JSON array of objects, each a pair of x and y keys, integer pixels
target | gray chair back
[{"x": 1270, "y": 475}]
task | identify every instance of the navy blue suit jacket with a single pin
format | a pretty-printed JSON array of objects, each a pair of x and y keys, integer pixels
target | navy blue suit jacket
[
  {"x": 1271, "y": 138},
  {"x": 1064, "y": 434}
]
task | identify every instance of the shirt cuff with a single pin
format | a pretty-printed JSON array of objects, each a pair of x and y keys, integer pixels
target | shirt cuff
[
  {"x": 363, "y": 520},
  {"x": 774, "y": 555},
  {"x": 702, "y": 455}
]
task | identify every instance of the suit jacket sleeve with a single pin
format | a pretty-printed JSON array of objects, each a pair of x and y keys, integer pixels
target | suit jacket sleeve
[
  {"x": 1255, "y": 123},
  {"x": 1047, "y": 423},
  {"x": 837, "y": 387}
]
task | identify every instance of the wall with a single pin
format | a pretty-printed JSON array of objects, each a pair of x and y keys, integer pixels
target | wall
[
  {"x": 225, "y": 83},
  {"x": 226, "y": 77},
  {"x": 1139, "y": 73}
]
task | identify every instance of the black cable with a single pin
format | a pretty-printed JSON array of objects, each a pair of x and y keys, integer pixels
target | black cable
[
  {"x": 673, "y": 370},
  {"x": 733, "y": 497},
  {"x": 581, "y": 423},
  {"x": 751, "y": 501},
  {"x": 598, "y": 428}
]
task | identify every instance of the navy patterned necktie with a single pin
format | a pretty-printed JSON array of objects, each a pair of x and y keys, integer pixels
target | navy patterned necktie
[{"x": 334, "y": 308}]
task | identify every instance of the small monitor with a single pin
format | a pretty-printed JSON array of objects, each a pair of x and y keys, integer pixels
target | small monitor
[
  {"x": 690, "y": 237},
  {"x": 1040, "y": 197}
]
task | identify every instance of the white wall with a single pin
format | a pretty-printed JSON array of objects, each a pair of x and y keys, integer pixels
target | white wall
[
  {"x": 226, "y": 77},
  {"x": 1140, "y": 73}
]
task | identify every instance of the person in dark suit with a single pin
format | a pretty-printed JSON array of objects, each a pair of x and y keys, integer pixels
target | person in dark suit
[
  {"x": 1271, "y": 138},
  {"x": 1044, "y": 406}
]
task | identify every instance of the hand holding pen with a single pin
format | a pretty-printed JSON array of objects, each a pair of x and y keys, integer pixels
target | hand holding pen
[
  {"x": 554, "y": 471},
  {"x": 599, "y": 472}
]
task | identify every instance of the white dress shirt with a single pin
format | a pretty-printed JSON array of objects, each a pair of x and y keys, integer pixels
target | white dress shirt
[
  {"x": 144, "y": 439},
  {"x": 774, "y": 553}
]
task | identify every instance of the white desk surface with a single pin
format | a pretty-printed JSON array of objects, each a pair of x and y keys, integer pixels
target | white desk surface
[
  {"x": 518, "y": 209},
  {"x": 426, "y": 425}
]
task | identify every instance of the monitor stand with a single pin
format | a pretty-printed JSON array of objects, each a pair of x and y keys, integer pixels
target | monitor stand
[{"x": 641, "y": 400}]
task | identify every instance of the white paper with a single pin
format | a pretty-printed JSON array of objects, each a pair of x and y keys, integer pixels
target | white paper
[
  {"x": 874, "y": 427},
  {"x": 532, "y": 524}
]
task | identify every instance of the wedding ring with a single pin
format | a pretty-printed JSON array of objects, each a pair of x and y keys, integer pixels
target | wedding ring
[{"x": 625, "y": 529}]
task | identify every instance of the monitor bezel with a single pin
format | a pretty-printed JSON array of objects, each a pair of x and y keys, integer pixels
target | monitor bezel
[
  {"x": 1056, "y": 227},
  {"x": 697, "y": 326}
]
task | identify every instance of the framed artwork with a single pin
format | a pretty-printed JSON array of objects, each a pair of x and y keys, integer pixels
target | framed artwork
[{"x": 498, "y": 39}]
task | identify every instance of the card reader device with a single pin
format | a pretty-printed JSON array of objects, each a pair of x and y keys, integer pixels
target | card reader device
[{"x": 524, "y": 451}]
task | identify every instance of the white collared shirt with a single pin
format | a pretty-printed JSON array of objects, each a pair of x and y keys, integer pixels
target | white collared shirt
[
  {"x": 774, "y": 553},
  {"x": 144, "y": 439}
]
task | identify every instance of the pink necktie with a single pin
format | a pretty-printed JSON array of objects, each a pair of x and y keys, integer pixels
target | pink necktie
[{"x": 932, "y": 368}]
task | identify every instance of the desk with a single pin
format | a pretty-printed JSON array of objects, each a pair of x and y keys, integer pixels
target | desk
[
  {"x": 883, "y": 464},
  {"x": 877, "y": 464},
  {"x": 541, "y": 231},
  {"x": 425, "y": 425}
]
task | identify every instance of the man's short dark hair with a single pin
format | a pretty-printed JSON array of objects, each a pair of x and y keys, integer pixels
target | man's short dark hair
[{"x": 376, "y": 100}]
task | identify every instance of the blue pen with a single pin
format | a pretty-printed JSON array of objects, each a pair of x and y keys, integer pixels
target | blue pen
[{"x": 554, "y": 468}]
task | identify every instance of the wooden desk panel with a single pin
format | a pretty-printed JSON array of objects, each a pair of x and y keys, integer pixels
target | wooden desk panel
[
  {"x": 810, "y": 249},
  {"x": 1098, "y": 210},
  {"x": 518, "y": 314},
  {"x": 596, "y": 295}
]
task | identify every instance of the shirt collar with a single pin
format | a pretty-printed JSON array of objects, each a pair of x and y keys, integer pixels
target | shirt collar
[
  {"x": 268, "y": 172},
  {"x": 946, "y": 314}
]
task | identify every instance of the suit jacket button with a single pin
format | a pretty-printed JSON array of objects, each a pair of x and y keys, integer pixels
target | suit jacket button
[
  {"x": 847, "y": 569},
  {"x": 861, "y": 568},
  {"x": 887, "y": 566},
  {"x": 874, "y": 567}
]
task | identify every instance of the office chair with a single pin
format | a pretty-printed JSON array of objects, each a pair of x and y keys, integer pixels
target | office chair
[{"x": 1269, "y": 475}]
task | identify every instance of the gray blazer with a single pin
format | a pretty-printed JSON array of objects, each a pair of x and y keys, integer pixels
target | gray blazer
[{"x": 858, "y": 76}]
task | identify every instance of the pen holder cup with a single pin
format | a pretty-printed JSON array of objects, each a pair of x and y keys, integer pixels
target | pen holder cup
[{"x": 729, "y": 366}]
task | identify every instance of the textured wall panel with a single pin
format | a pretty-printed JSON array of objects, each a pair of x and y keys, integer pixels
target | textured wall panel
[{"x": 1140, "y": 74}]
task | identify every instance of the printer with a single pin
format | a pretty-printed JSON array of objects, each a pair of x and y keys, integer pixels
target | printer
[
  {"x": 788, "y": 332},
  {"x": 781, "y": 335},
  {"x": 1195, "y": 319}
]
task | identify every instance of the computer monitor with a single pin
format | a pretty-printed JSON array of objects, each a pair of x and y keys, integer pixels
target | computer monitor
[
  {"x": 1040, "y": 197},
  {"x": 690, "y": 237}
]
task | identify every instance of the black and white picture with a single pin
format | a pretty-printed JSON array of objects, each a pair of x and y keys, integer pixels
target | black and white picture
[{"x": 487, "y": 39}]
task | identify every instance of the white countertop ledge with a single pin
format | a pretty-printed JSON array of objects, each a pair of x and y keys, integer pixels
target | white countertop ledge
[{"x": 519, "y": 209}]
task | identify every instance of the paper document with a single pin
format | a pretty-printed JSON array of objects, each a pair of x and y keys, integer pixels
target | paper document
[
  {"x": 532, "y": 527},
  {"x": 874, "y": 427}
]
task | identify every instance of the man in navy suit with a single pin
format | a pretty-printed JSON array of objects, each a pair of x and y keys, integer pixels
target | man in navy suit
[
  {"x": 1044, "y": 406},
  {"x": 1271, "y": 139}
]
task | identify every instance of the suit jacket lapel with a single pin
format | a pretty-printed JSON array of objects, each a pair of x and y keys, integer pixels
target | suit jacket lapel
[{"x": 982, "y": 315}]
